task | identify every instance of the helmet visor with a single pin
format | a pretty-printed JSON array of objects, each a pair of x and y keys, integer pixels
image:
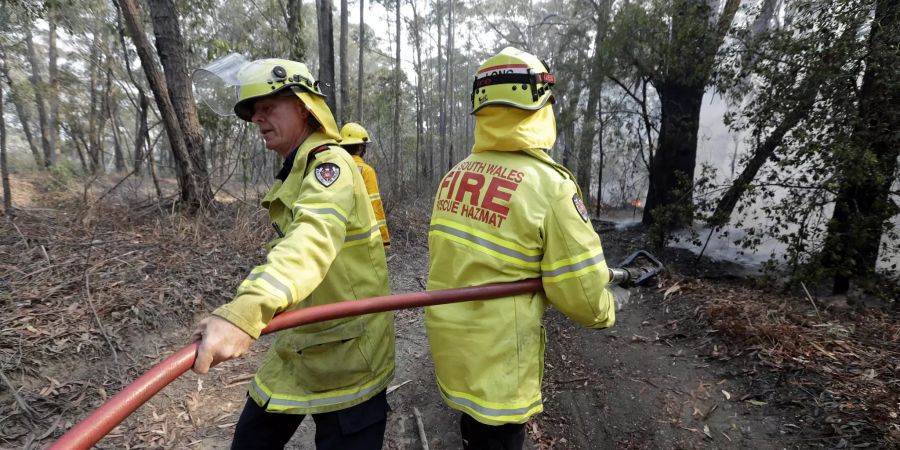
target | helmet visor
[{"x": 217, "y": 84}]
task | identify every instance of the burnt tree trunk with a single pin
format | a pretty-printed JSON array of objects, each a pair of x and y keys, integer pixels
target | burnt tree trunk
[{"x": 694, "y": 42}]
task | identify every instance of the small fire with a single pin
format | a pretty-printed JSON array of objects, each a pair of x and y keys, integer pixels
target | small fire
[{"x": 636, "y": 203}]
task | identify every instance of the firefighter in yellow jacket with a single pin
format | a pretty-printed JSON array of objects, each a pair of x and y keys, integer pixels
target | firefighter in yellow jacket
[
  {"x": 354, "y": 139},
  {"x": 508, "y": 212},
  {"x": 326, "y": 249}
]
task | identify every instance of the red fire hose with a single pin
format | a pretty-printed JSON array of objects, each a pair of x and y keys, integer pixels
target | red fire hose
[{"x": 90, "y": 430}]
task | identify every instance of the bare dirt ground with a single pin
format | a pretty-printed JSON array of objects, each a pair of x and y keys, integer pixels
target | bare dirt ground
[{"x": 93, "y": 296}]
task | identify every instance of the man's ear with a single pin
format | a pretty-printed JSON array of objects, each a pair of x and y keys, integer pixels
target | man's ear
[{"x": 302, "y": 110}]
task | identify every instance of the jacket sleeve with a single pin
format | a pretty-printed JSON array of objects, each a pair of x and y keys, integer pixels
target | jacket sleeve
[
  {"x": 371, "y": 180},
  {"x": 573, "y": 269},
  {"x": 299, "y": 262}
]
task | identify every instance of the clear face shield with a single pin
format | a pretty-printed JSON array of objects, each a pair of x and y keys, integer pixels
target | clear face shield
[{"x": 217, "y": 84}]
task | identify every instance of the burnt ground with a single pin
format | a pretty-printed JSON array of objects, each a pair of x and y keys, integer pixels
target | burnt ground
[{"x": 94, "y": 295}]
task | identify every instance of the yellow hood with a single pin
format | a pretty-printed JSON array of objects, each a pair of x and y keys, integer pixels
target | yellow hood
[
  {"x": 319, "y": 109},
  {"x": 501, "y": 128}
]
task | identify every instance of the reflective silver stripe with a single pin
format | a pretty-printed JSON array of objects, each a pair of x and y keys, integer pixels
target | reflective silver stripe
[
  {"x": 489, "y": 412},
  {"x": 330, "y": 211},
  {"x": 486, "y": 243},
  {"x": 275, "y": 283},
  {"x": 363, "y": 235},
  {"x": 375, "y": 197},
  {"x": 573, "y": 267},
  {"x": 275, "y": 401}
]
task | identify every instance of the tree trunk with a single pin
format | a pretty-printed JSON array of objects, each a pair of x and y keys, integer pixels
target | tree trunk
[
  {"x": 863, "y": 207},
  {"x": 694, "y": 42},
  {"x": 586, "y": 143},
  {"x": 22, "y": 113},
  {"x": 602, "y": 155},
  {"x": 326, "y": 51},
  {"x": 421, "y": 168},
  {"x": 141, "y": 130},
  {"x": 4, "y": 168},
  {"x": 294, "y": 18},
  {"x": 113, "y": 123},
  {"x": 53, "y": 78},
  {"x": 192, "y": 180},
  {"x": 359, "y": 76},
  {"x": 396, "y": 123},
  {"x": 37, "y": 84},
  {"x": 95, "y": 117},
  {"x": 170, "y": 47},
  {"x": 672, "y": 168},
  {"x": 442, "y": 104},
  {"x": 343, "y": 114}
]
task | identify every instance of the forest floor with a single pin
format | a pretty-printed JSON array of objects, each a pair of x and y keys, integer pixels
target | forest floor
[{"x": 94, "y": 293}]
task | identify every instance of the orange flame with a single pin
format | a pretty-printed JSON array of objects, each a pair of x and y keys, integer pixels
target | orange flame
[{"x": 636, "y": 203}]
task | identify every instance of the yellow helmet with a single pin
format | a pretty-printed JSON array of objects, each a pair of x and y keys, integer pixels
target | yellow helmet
[
  {"x": 353, "y": 133},
  {"x": 265, "y": 77},
  {"x": 512, "y": 78},
  {"x": 232, "y": 83}
]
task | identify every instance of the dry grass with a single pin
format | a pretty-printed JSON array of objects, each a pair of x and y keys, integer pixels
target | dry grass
[
  {"x": 82, "y": 284},
  {"x": 843, "y": 366}
]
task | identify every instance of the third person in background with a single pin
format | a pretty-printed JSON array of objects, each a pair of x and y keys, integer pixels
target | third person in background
[
  {"x": 354, "y": 139},
  {"x": 509, "y": 212}
]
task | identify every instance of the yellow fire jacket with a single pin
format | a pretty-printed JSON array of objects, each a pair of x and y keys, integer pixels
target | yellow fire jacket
[
  {"x": 327, "y": 250},
  {"x": 368, "y": 174},
  {"x": 499, "y": 216}
]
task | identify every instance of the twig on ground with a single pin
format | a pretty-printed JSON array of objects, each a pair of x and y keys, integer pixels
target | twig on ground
[
  {"x": 24, "y": 239},
  {"x": 87, "y": 296},
  {"x": 811, "y": 301},
  {"x": 421, "y": 426},
  {"x": 30, "y": 413}
]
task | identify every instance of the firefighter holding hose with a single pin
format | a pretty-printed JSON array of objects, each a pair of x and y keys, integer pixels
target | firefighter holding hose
[
  {"x": 326, "y": 248},
  {"x": 509, "y": 212}
]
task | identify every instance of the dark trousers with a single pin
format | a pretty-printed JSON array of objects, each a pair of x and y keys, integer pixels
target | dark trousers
[
  {"x": 478, "y": 436},
  {"x": 359, "y": 427}
]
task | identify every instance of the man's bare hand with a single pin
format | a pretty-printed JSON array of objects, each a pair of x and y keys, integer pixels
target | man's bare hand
[{"x": 220, "y": 341}]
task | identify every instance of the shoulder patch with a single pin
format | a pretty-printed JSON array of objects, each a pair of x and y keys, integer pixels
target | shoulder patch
[
  {"x": 579, "y": 206},
  {"x": 327, "y": 173}
]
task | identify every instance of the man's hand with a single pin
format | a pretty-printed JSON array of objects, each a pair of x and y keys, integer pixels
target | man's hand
[{"x": 220, "y": 340}]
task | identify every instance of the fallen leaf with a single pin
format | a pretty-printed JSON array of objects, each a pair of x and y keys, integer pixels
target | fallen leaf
[
  {"x": 726, "y": 394},
  {"x": 756, "y": 402},
  {"x": 706, "y": 431},
  {"x": 671, "y": 290}
]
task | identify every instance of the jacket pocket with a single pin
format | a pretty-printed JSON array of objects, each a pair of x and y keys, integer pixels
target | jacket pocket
[{"x": 330, "y": 359}]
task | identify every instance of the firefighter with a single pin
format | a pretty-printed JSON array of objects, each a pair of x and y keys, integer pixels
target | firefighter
[
  {"x": 509, "y": 212},
  {"x": 326, "y": 249},
  {"x": 354, "y": 139}
]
